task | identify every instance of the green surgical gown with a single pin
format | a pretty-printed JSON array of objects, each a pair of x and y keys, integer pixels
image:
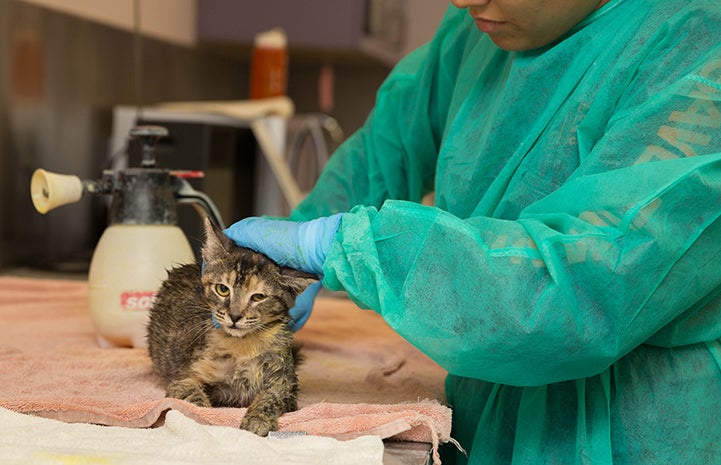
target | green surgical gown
[{"x": 568, "y": 274}]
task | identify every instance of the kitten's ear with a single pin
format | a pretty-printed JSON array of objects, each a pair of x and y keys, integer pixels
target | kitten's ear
[
  {"x": 217, "y": 244},
  {"x": 296, "y": 280}
]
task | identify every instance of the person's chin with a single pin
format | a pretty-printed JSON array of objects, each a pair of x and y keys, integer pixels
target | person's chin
[{"x": 514, "y": 41}]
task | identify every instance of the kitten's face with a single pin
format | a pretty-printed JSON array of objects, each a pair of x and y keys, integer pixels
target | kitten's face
[
  {"x": 246, "y": 291},
  {"x": 245, "y": 294}
]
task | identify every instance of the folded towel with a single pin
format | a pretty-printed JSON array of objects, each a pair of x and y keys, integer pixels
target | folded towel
[
  {"x": 359, "y": 377},
  {"x": 26, "y": 440}
]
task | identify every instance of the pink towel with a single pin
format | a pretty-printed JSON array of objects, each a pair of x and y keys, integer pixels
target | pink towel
[{"x": 359, "y": 377}]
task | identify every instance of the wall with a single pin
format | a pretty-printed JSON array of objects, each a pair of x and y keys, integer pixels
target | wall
[{"x": 61, "y": 76}]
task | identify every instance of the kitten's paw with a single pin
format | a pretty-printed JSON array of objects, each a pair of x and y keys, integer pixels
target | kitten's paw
[
  {"x": 193, "y": 394},
  {"x": 258, "y": 425},
  {"x": 199, "y": 399}
]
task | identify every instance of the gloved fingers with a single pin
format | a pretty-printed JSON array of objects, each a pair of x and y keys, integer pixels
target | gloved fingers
[
  {"x": 271, "y": 237},
  {"x": 300, "y": 312},
  {"x": 275, "y": 238},
  {"x": 299, "y": 245}
]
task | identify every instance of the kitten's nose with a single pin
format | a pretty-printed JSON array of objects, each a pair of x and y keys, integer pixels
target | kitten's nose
[{"x": 234, "y": 318}]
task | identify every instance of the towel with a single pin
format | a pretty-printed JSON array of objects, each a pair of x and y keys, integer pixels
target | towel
[
  {"x": 358, "y": 378},
  {"x": 27, "y": 440}
]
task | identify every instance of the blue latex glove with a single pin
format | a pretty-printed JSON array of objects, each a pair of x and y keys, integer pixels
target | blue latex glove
[
  {"x": 303, "y": 305},
  {"x": 300, "y": 245}
]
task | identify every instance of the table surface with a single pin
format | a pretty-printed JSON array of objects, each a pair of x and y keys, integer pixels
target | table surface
[{"x": 406, "y": 453}]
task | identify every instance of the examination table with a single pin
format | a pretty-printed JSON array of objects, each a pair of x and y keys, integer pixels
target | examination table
[{"x": 359, "y": 380}]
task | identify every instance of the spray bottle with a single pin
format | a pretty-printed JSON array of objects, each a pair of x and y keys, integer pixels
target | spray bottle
[{"x": 142, "y": 240}]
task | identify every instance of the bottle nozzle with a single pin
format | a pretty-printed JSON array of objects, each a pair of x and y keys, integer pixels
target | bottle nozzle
[{"x": 49, "y": 190}]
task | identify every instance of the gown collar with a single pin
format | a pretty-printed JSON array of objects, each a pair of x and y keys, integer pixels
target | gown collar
[
  {"x": 530, "y": 54},
  {"x": 595, "y": 15}
]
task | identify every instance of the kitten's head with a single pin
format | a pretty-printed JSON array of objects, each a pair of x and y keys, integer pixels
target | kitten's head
[{"x": 246, "y": 290}]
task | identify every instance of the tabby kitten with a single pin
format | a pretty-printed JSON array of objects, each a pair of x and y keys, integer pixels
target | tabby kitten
[{"x": 220, "y": 336}]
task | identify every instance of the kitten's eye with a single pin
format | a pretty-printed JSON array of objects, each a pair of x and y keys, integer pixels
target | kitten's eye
[
  {"x": 257, "y": 297},
  {"x": 222, "y": 290}
]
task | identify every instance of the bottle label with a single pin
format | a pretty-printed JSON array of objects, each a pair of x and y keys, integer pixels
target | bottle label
[{"x": 137, "y": 300}]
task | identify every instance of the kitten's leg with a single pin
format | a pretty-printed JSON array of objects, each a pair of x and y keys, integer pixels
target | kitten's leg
[
  {"x": 188, "y": 390},
  {"x": 263, "y": 413}
]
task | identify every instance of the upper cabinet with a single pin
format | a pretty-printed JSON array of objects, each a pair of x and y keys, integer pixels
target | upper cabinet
[
  {"x": 383, "y": 29},
  {"x": 167, "y": 20},
  {"x": 336, "y": 24}
]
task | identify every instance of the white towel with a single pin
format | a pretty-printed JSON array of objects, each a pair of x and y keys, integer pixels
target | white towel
[{"x": 30, "y": 440}]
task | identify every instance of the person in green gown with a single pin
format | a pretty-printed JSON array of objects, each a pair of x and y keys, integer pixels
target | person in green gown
[{"x": 568, "y": 273}]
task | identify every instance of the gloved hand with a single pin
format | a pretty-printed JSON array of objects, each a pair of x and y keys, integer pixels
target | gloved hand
[{"x": 300, "y": 245}]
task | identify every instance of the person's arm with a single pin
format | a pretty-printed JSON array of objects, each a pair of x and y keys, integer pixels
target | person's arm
[
  {"x": 624, "y": 251},
  {"x": 628, "y": 245}
]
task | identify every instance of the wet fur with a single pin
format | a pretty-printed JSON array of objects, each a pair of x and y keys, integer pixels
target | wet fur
[{"x": 250, "y": 361}]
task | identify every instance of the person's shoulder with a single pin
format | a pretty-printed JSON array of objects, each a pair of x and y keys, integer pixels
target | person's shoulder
[
  {"x": 685, "y": 25},
  {"x": 680, "y": 12}
]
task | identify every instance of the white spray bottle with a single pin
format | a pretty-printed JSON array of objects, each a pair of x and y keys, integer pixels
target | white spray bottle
[{"x": 141, "y": 242}]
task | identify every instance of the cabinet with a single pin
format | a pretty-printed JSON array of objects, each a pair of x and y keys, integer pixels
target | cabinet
[
  {"x": 332, "y": 24},
  {"x": 383, "y": 29}
]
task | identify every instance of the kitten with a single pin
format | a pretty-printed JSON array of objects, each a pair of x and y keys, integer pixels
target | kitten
[{"x": 220, "y": 337}]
